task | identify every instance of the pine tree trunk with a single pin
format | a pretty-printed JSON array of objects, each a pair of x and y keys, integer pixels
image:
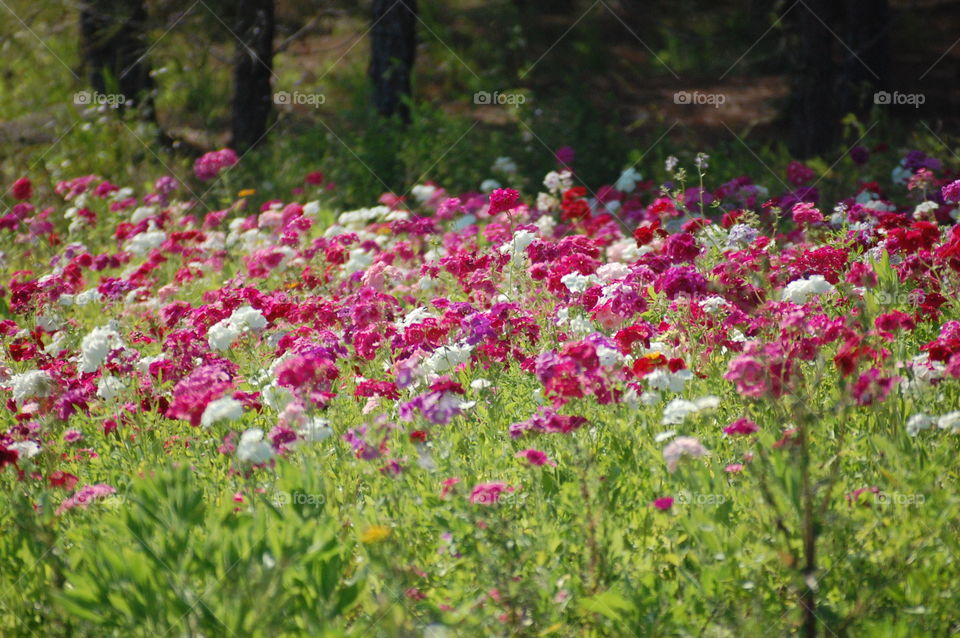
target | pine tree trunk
[
  {"x": 253, "y": 68},
  {"x": 866, "y": 67},
  {"x": 814, "y": 119},
  {"x": 393, "y": 49},
  {"x": 114, "y": 48}
]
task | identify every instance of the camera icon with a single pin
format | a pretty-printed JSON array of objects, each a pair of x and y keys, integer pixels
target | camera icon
[
  {"x": 482, "y": 97},
  {"x": 82, "y": 98},
  {"x": 281, "y": 97},
  {"x": 882, "y": 97},
  {"x": 682, "y": 97}
]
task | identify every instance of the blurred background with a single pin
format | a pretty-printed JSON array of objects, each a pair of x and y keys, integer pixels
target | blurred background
[{"x": 381, "y": 95}]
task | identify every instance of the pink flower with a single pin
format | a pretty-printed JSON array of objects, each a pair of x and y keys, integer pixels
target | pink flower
[
  {"x": 85, "y": 495},
  {"x": 951, "y": 192},
  {"x": 488, "y": 493},
  {"x": 805, "y": 213},
  {"x": 503, "y": 199},
  {"x": 664, "y": 503},
  {"x": 872, "y": 388},
  {"x": 448, "y": 485},
  {"x": 209, "y": 165},
  {"x": 733, "y": 468},
  {"x": 741, "y": 426},
  {"x": 72, "y": 435},
  {"x": 535, "y": 457}
]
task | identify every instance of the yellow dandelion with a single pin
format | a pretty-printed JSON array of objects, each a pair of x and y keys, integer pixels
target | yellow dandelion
[{"x": 374, "y": 534}]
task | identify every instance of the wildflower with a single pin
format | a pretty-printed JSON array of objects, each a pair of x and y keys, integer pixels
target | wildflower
[
  {"x": 534, "y": 457},
  {"x": 733, "y": 468},
  {"x": 374, "y": 534},
  {"x": 86, "y": 495},
  {"x": 222, "y": 409},
  {"x": 488, "y": 493},
  {"x": 680, "y": 447},
  {"x": 22, "y": 189},
  {"x": 800, "y": 290},
  {"x": 503, "y": 199},
  {"x": 805, "y": 213},
  {"x": 949, "y": 421},
  {"x": 62, "y": 479},
  {"x": 211, "y": 164},
  {"x": 679, "y": 409},
  {"x": 872, "y": 388},
  {"x": 252, "y": 448},
  {"x": 741, "y": 426},
  {"x": 951, "y": 192},
  {"x": 96, "y": 346},
  {"x": 25, "y": 449},
  {"x": 664, "y": 503},
  {"x": 628, "y": 179},
  {"x": 32, "y": 384},
  {"x": 917, "y": 423}
]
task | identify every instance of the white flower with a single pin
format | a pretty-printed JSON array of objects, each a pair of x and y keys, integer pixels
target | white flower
[
  {"x": 222, "y": 334},
  {"x": 32, "y": 384},
  {"x": 918, "y": 422},
  {"x": 108, "y": 387},
  {"x": 145, "y": 242},
  {"x": 480, "y": 384},
  {"x": 949, "y": 421},
  {"x": 576, "y": 283},
  {"x": 628, "y": 180},
  {"x": 613, "y": 271},
  {"x": 664, "y": 379},
  {"x": 96, "y": 346},
  {"x": 712, "y": 305},
  {"x": 252, "y": 447},
  {"x": 423, "y": 192},
  {"x": 800, "y": 290},
  {"x": 504, "y": 165},
  {"x": 417, "y": 315},
  {"x": 25, "y": 449},
  {"x": 608, "y": 356},
  {"x": 680, "y": 447},
  {"x": 517, "y": 246},
  {"x": 489, "y": 185},
  {"x": 899, "y": 176},
  {"x": 447, "y": 357},
  {"x": 555, "y": 181},
  {"x": 316, "y": 430},
  {"x": 222, "y": 409},
  {"x": 679, "y": 409}
]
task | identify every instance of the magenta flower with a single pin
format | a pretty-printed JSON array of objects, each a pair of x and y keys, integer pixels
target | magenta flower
[
  {"x": 211, "y": 164},
  {"x": 664, "y": 503},
  {"x": 806, "y": 213},
  {"x": 951, "y": 192},
  {"x": 872, "y": 388},
  {"x": 534, "y": 457},
  {"x": 503, "y": 199},
  {"x": 741, "y": 426}
]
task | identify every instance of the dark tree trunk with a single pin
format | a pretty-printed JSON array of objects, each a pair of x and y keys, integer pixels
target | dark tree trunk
[
  {"x": 114, "y": 49},
  {"x": 866, "y": 67},
  {"x": 252, "y": 70},
  {"x": 814, "y": 118},
  {"x": 392, "y": 52}
]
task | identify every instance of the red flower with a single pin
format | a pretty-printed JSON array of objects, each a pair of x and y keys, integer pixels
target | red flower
[
  {"x": 22, "y": 188},
  {"x": 63, "y": 479}
]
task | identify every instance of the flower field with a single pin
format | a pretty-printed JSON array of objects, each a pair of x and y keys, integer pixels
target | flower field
[{"x": 651, "y": 409}]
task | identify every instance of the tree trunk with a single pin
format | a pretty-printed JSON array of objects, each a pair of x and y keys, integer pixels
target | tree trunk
[
  {"x": 114, "y": 49},
  {"x": 252, "y": 70},
  {"x": 866, "y": 68},
  {"x": 814, "y": 121},
  {"x": 392, "y": 53}
]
